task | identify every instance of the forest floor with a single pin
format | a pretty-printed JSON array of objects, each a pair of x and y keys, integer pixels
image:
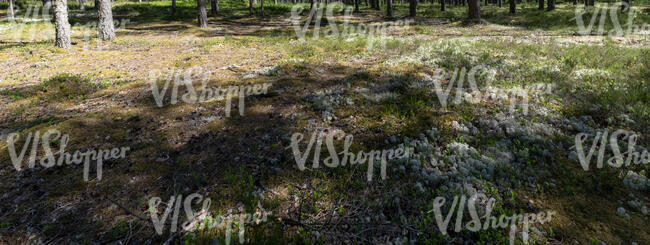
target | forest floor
[{"x": 383, "y": 89}]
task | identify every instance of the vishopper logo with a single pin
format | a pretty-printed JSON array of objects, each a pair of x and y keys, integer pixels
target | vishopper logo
[
  {"x": 372, "y": 31},
  {"x": 197, "y": 220},
  {"x": 489, "y": 221},
  {"x": 473, "y": 94},
  {"x": 205, "y": 93},
  {"x": 55, "y": 136},
  {"x": 618, "y": 158},
  {"x": 600, "y": 14},
  {"x": 333, "y": 160}
]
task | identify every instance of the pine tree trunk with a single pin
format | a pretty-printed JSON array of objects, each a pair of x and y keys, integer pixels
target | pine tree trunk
[
  {"x": 250, "y": 7},
  {"x": 202, "y": 15},
  {"x": 10, "y": 11},
  {"x": 105, "y": 25},
  {"x": 61, "y": 24},
  {"x": 173, "y": 7},
  {"x": 413, "y": 8},
  {"x": 513, "y": 6},
  {"x": 474, "y": 9},
  {"x": 625, "y": 6},
  {"x": 551, "y": 5},
  {"x": 443, "y": 7},
  {"x": 314, "y": 5},
  {"x": 262, "y": 7},
  {"x": 356, "y": 6},
  {"x": 214, "y": 7},
  {"x": 389, "y": 8}
]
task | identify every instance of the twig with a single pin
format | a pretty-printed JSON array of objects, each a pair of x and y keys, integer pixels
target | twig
[{"x": 126, "y": 209}]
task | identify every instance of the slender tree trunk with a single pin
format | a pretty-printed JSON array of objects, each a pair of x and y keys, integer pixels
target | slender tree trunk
[
  {"x": 10, "y": 11},
  {"x": 513, "y": 6},
  {"x": 105, "y": 25},
  {"x": 389, "y": 8},
  {"x": 96, "y": 4},
  {"x": 443, "y": 7},
  {"x": 61, "y": 24},
  {"x": 82, "y": 7},
  {"x": 313, "y": 6},
  {"x": 500, "y": 4},
  {"x": 250, "y": 7},
  {"x": 356, "y": 6},
  {"x": 541, "y": 4},
  {"x": 213, "y": 8},
  {"x": 202, "y": 15},
  {"x": 551, "y": 5},
  {"x": 262, "y": 7},
  {"x": 474, "y": 9},
  {"x": 413, "y": 8}
]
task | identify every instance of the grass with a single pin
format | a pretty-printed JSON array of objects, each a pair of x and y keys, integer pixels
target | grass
[{"x": 104, "y": 92}]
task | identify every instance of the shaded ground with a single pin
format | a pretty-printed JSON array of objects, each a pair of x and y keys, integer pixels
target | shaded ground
[{"x": 381, "y": 95}]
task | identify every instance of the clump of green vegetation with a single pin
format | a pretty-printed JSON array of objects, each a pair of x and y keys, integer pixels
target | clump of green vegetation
[{"x": 68, "y": 86}]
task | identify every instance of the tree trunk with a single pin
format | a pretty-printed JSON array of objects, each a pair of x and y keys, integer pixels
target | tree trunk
[
  {"x": 61, "y": 24},
  {"x": 202, "y": 15},
  {"x": 513, "y": 6},
  {"x": 499, "y": 2},
  {"x": 313, "y": 6},
  {"x": 10, "y": 11},
  {"x": 214, "y": 7},
  {"x": 105, "y": 25},
  {"x": 173, "y": 7},
  {"x": 541, "y": 4},
  {"x": 413, "y": 8},
  {"x": 81, "y": 5},
  {"x": 250, "y": 7},
  {"x": 262, "y": 7},
  {"x": 443, "y": 7},
  {"x": 474, "y": 9},
  {"x": 625, "y": 6},
  {"x": 575, "y": 2},
  {"x": 551, "y": 5},
  {"x": 389, "y": 8}
]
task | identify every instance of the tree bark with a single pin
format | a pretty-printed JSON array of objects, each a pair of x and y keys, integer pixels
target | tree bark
[
  {"x": 250, "y": 7},
  {"x": 389, "y": 8},
  {"x": 513, "y": 6},
  {"x": 541, "y": 4},
  {"x": 61, "y": 24},
  {"x": 173, "y": 7},
  {"x": 625, "y": 6},
  {"x": 202, "y": 15},
  {"x": 82, "y": 7},
  {"x": 214, "y": 7},
  {"x": 10, "y": 11},
  {"x": 551, "y": 5},
  {"x": 262, "y": 7},
  {"x": 313, "y": 6},
  {"x": 413, "y": 8},
  {"x": 443, "y": 7},
  {"x": 499, "y": 2},
  {"x": 474, "y": 9},
  {"x": 356, "y": 6},
  {"x": 105, "y": 25}
]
